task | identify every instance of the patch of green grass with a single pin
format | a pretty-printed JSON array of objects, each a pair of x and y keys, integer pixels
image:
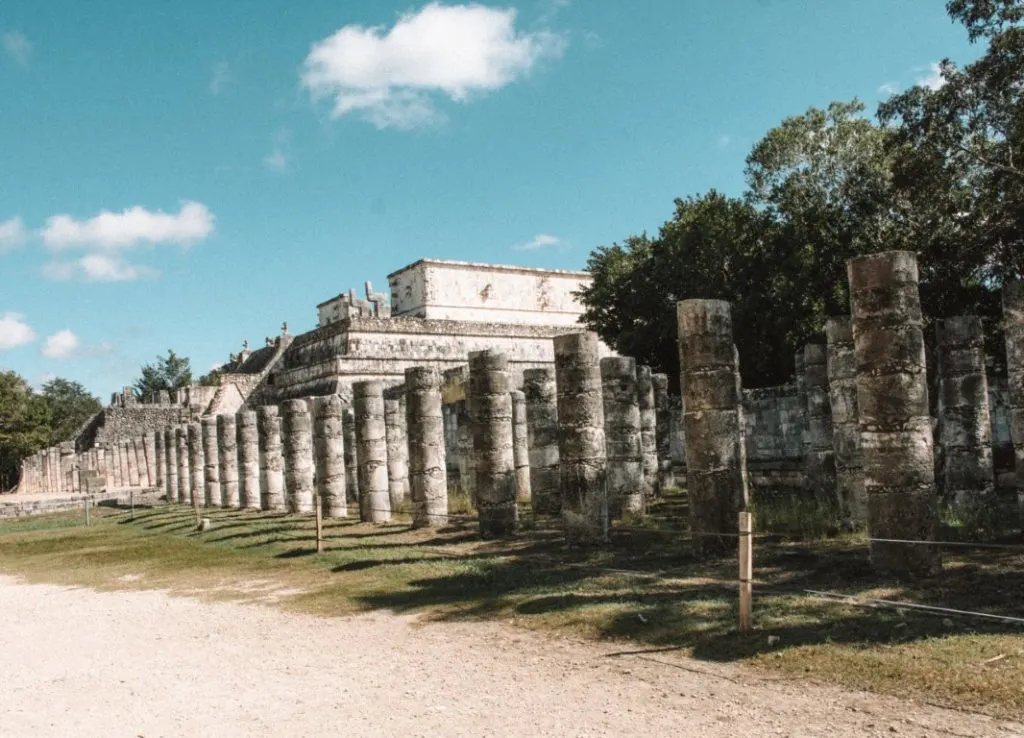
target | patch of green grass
[{"x": 645, "y": 586}]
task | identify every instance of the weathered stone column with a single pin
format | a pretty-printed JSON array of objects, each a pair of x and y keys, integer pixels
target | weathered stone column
[
  {"x": 842, "y": 386},
  {"x": 149, "y": 444},
  {"x": 464, "y": 444},
  {"x": 397, "y": 446},
  {"x": 581, "y": 441},
  {"x": 197, "y": 467},
  {"x": 67, "y": 461},
  {"x": 428, "y": 477},
  {"x": 139, "y": 445},
  {"x": 494, "y": 461},
  {"x": 329, "y": 456},
  {"x": 820, "y": 457},
  {"x": 371, "y": 443},
  {"x": 662, "y": 429},
  {"x": 268, "y": 423},
  {"x": 348, "y": 432},
  {"x": 520, "y": 446},
  {"x": 892, "y": 403},
  {"x": 1013, "y": 325},
  {"x": 648, "y": 430},
  {"x": 622, "y": 436},
  {"x": 297, "y": 440},
  {"x": 248, "y": 460},
  {"x": 800, "y": 377},
  {"x": 171, "y": 470},
  {"x": 542, "y": 440},
  {"x": 131, "y": 462},
  {"x": 966, "y": 475},
  {"x": 211, "y": 462},
  {"x": 159, "y": 457},
  {"x": 227, "y": 443},
  {"x": 713, "y": 419},
  {"x": 184, "y": 475}
]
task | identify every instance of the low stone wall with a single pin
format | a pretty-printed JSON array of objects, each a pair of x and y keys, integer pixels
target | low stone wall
[{"x": 20, "y": 507}]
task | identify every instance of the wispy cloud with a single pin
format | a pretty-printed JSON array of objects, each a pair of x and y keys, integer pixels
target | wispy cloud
[
  {"x": 64, "y": 345},
  {"x": 194, "y": 222},
  {"x": 220, "y": 77},
  {"x": 17, "y": 46},
  {"x": 933, "y": 79},
  {"x": 276, "y": 161},
  {"x": 12, "y": 234},
  {"x": 97, "y": 268},
  {"x": 14, "y": 331},
  {"x": 889, "y": 88},
  {"x": 540, "y": 241},
  {"x": 388, "y": 76}
]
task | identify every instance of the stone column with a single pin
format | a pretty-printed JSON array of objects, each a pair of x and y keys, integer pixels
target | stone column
[
  {"x": 227, "y": 443},
  {"x": 211, "y": 462},
  {"x": 149, "y": 444},
  {"x": 197, "y": 467},
  {"x": 648, "y": 430},
  {"x": 171, "y": 471},
  {"x": 139, "y": 444},
  {"x": 67, "y": 461},
  {"x": 348, "y": 432},
  {"x": 397, "y": 446},
  {"x": 622, "y": 437},
  {"x": 464, "y": 444},
  {"x": 842, "y": 387},
  {"x": 581, "y": 441},
  {"x": 1013, "y": 325},
  {"x": 520, "y": 446},
  {"x": 966, "y": 474},
  {"x": 131, "y": 462},
  {"x": 248, "y": 460},
  {"x": 372, "y": 452},
  {"x": 297, "y": 440},
  {"x": 713, "y": 420},
  {"x": 159, "y": 458},
  {"x": 819, "y": 456},
  {"x": 892, "y": 403},
  {"x": 494, "y": 461},
  {"x": 184, "y": 469},
  {"x": 428, "y": 477},
  {"x": 329, "y": 457},
  {"x": 268, "y": 423},
  {"x": 662, "y": 428},
  {"x": 542, "y": 440}
]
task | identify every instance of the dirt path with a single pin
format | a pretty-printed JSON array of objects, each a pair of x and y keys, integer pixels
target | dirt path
[{"x": 75, "y": 662}]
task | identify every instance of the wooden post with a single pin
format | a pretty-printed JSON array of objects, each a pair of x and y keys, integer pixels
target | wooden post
[
  {"x": 746, "y": 569},
  {"x": 318, "y": 509},
  {"x": 88, "y": 522}
]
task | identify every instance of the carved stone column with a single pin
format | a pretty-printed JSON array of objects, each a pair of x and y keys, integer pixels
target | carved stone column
[
  {"x": 184, "y": 479},
  {"x": 520, "y": 446},
  {"x": 211, "y": 462},
  {"x": 268, "y": 424},
  {"x": 491, "y": 407},
  {"x": 819, "y": 455},
  {"x": 297, "y": 440},
  {"x": 842, "y": 384},
  {"x": 622, "y": 436},
  {"x": 248, "y": 460},
  {"x": 397, "y": 446},
  {"x": 371, "y": 449},
  {"x": 648, "y": 430},
  {"x": 197, "y": 465},
  {"x": 428, "y": 477},
  {"x": 892, "y": 402},
  {"x": 329, "y": 456},
  {"x": 227, "y": 442},
  {"x": 542, "y": 434}
]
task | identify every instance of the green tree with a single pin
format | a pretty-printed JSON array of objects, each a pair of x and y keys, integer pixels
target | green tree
[
  {"x": 170, "y": 373},
  {"x": 25, "y": 423},
  {"x": 70, "y": 405}
]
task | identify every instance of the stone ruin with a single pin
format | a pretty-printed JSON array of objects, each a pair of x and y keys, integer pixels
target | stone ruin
[{"x": 381, "y": 408}]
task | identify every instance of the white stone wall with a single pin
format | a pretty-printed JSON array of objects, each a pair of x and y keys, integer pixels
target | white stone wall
[{"x": 450, "y": 290}]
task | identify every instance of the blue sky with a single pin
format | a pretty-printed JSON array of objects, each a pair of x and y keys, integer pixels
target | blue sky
[{"x": 187, "y": 175}]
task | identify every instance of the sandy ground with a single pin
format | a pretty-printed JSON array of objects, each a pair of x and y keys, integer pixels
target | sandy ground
[{"x": 75, "y": 662}]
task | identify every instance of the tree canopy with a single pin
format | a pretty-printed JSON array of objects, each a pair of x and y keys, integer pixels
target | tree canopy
[
  {"x": 168, "y": 373},
  {"x": 940, "y": 172}
]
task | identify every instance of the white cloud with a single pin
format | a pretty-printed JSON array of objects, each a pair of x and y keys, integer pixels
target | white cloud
[
  {"x": 12, "y": 234},
  {"x": 97, "y": 268},
  {"x": 14, "y": 331},
  {"x": 540, "y": 241},
  {"x": 108, "y": 230},
  {"x": 61, "y": 345},
  {"x": 17, "y": 46},
  {"x": 889, "y": 88},
  {"x": 933, "y": 80},
  {"x": 275, "y": 161},
  {"x": 388, "y": 75},
  {"x": 220, "y": 77}
]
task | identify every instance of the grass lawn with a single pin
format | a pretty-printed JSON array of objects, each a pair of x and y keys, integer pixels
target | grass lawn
[{"x": 645, "y": 587}]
